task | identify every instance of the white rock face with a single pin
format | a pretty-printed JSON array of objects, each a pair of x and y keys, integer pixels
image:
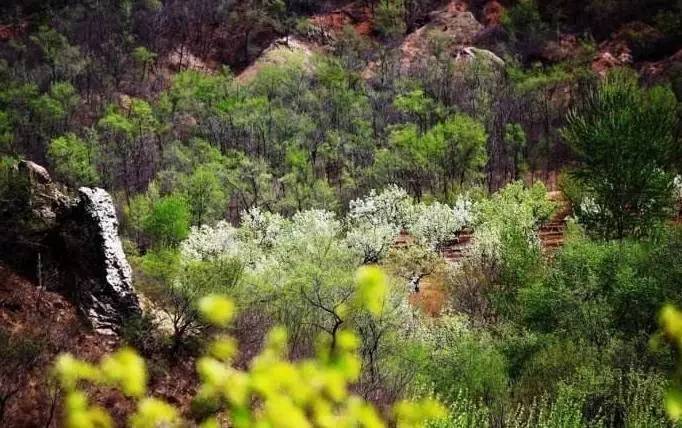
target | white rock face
[{"x": 109, "y": 293}]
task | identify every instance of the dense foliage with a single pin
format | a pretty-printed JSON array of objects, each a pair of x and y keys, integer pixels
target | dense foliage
[{"x": 255, "y": 154}]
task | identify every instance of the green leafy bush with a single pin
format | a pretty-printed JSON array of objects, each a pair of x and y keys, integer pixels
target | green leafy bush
[
  {"x": 179, "y": 286},
  {"x": 169, "y": 220},
  {"x": 459, "y": 360},
  {"x": 73, "y": 161},
  {"x": 389, "y": 18},
  {"x": 596, "y": 290},
  {"x": 526, "y": 29},
  {"x": 142, "y": 333},
  {"x": 505, "y": 232},
  {"x": 203, "y": 190}
]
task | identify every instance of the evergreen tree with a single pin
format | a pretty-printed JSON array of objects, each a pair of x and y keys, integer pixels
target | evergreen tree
[{"x": 623, "y": 136}]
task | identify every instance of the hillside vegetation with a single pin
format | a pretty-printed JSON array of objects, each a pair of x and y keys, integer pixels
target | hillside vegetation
[{"x": 347, "y": 213}]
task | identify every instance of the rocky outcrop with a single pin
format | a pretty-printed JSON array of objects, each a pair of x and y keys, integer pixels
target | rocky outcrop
[
  {"x": 285, "y": 51},
  {"x": 102, "y": 277},
  {"x": 470, "y": 54},
  {"x": 451, "y": 32},
  {"x": 356, "y": 15},
  {"x": 449, "y": 28},
  {"x": 68, "y": 244}
]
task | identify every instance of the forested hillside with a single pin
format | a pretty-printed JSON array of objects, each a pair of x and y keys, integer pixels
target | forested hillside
[{"x": 293, "y": 213}]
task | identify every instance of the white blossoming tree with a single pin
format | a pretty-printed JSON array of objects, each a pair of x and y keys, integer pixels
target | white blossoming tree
[
  {"x": 374, "y": 222},
  {"x": 308, "y": 226},
  {"x": 372, "y": 241},
  {"x": 262, "y": 227},
  {"x": 222, "y": 241},
  {"x": 392, "y": 206},
  {"x": 207, "y": 242},
  {"x": 437, "y": 224}
]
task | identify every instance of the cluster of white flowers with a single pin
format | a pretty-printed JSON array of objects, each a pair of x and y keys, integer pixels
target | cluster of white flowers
[
  {"x": 436, "y": 224},
  {"x": 375, "y": 221},
  {"x": 222, "y": 240},
  {"x": 487, "y": 244},
  {"x": 264, "y": 228},
  {"x": 208, "y": 242},
  {"x": 392, "y": 206},
  {"x": 491, "y": 239},
  {"x": 311, "y": 224},
  {"x": 371, "y": 227},
  {"x": 442, "y": 332},
  {"x": 464, "y": 210},
  {"x": 590, "y": 207},
  {"x": 513, "y": 212},
  {"x": 263, "y": 240},
  {"x": 372, "y": 241},
  {"x": 677, "y": 187}
]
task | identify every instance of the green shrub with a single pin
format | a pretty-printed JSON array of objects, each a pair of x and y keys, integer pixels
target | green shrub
[
  {"x": 633, "y": 401},
  {"x": 168, "y": 222},
  {"x": 389, "y": 18},
  {"x": 204, "y": 194},
  {"x": 573, "y": 297},
  {"x": 463, "y": 412},
  {"x": 202, "y": 408},
  {"x": 179, "y": 297},
  {"x": 525, "y": 27},
  {"x": 558, "y": 360},
  {"x": 458, "y": 360},
  {"x": 565, "y": 411},
  {"x": 637, "y": 401},
  {"x": 7, "y": 165},
  {"x": 594, "y": 290},
  {"x": 572, "y": 188},
  {"x": 506, "y": 239},
  {"x": 72, "y": 160}
]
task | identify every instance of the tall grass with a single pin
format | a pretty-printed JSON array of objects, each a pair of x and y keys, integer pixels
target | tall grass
[
  {"x": 636, "y": 402},
  {"x": 564, "y": 412}
]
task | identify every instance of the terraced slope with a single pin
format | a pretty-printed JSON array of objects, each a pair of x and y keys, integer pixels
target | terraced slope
[{"x": 432, "y": 295}]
